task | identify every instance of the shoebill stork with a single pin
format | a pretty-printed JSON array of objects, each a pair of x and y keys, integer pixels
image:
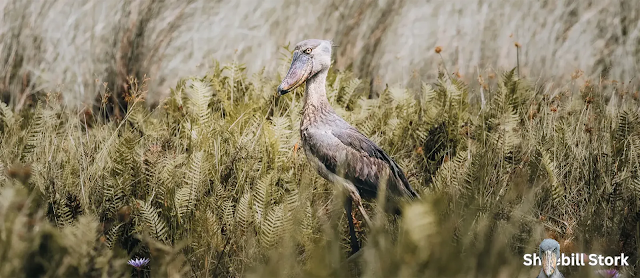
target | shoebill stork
[
  {"x": 338, "y": 151},
  {"x": 549, "y": 252}
]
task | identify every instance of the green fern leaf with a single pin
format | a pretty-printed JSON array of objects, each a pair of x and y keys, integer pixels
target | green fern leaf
[
  {"x": 228, "y": 213},
  {"x": 35, "y": 132},
  {"x": 346, "y": 97},
  {"x": 186, "y": 196},
  {"x": 64, "y": 215},
  {"x": 199, "y": 96},
  {"x": 271, "y": 229},
  {"x": 557, "y": 189},
  {"x": 244, "y": 215},
  {"x": 113, "y": 235},
  {"x": 153, "y": 222},
  {"x": 634, "y": 187},
  {"x": 262, "y": 196},
  {"x": 6, "y": 115},
  {"x": 124, "y": 157}
]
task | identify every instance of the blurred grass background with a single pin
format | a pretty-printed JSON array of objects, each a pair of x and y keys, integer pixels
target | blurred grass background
[
  {"x": 79, "y": 45},
  {"x": 112, "y": 150}
]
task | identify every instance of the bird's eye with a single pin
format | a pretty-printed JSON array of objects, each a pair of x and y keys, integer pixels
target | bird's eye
[{"x": 308, "y": 51}]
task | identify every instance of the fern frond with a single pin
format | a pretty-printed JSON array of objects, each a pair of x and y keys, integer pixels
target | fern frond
[
  {"x": 113, "y": 235},
  {"x": 244, "y": 215},
  {"x": 628, "y": 123},
  {"x": 280, "y": 136},
  {"x": 165, "y": 179},
  {"x": 504, "y": 133},
  {"x": 228, "y": 211},
  {"x": 6, "y": 115},
  {"x": 307, "y": 223},
  {"x": 124, "y": 157},
  {"x": 399, "y": 96},
  {"x": 334, "y": 89},
  {"x": 199, "y": 96},
  {"x": 194, "y": 177},
  {"x": 345, "y": 98},
  {"x": 450, "y": 177},
  {"x": 262, "y": 195},
  {"x": 35, "y": 132},
  {"x": 557, "y": 189},
  {"x": 271, "y": 229},
  {"x": 64, "y": 214},
  {"x": 152, "y": 221},
  {"x": 634, "y": 187}
]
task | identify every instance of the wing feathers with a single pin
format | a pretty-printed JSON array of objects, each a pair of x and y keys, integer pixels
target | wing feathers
[{"x": 365, "y": 161}]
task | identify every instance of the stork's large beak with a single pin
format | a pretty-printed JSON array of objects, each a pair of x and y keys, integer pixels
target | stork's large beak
[
  {"x": 299, "y": 71},
  {"x": 549, "y": 262}
]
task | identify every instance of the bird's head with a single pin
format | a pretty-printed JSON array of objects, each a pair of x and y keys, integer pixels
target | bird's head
[
  {"x": 309, "y": 57},
  {"x": 549, "y": 252}
]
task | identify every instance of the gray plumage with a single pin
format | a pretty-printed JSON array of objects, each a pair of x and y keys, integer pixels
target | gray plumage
[
  {"x": 549, "y": 247},
  {"x": 337, "y": 150},
  {"x": 343, "y": 151},
  {"x": 556, "y": 274}
]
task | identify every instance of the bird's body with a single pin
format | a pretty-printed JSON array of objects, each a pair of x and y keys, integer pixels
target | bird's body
[
  {"x": 337, "y": 150},
  {"x": 344, "y": 156}
]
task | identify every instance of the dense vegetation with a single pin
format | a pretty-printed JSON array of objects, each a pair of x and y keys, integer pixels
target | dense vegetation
[{"x": 212, "y": 182}]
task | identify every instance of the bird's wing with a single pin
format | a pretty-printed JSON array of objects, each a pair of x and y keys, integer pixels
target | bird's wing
[
  {"x": 365, "y": 159},
  {"x": 331, "y": 154}
]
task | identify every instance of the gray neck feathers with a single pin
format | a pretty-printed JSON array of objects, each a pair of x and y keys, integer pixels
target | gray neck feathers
[
  {"x": 315, "y": 94},
  {"x": 316, "y": 109}
]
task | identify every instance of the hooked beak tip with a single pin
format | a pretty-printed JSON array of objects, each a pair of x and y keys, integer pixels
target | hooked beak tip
[{"x": 281, "y": 91}]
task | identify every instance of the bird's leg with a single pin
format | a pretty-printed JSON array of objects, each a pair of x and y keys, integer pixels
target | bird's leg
[
  {"x": 355, "y": 245},
  {"x": 358, "y": 200}
]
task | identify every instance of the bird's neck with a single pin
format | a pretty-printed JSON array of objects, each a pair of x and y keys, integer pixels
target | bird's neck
[{"x": 315, "y": 94}]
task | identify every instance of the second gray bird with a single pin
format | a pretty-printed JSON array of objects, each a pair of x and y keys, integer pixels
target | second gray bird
[{"x": 549, "y": 252}]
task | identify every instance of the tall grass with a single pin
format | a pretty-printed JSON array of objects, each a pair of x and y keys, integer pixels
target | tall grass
[
  {"x": 103, "y": 162},
  {"x": 78, "y": 46},
  {"x": 212, "y": 182}
]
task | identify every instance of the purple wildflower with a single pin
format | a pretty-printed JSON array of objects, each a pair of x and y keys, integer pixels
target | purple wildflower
[
  {"x": 138, "y": 263},
  {"x": 609, "y": 273}
]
